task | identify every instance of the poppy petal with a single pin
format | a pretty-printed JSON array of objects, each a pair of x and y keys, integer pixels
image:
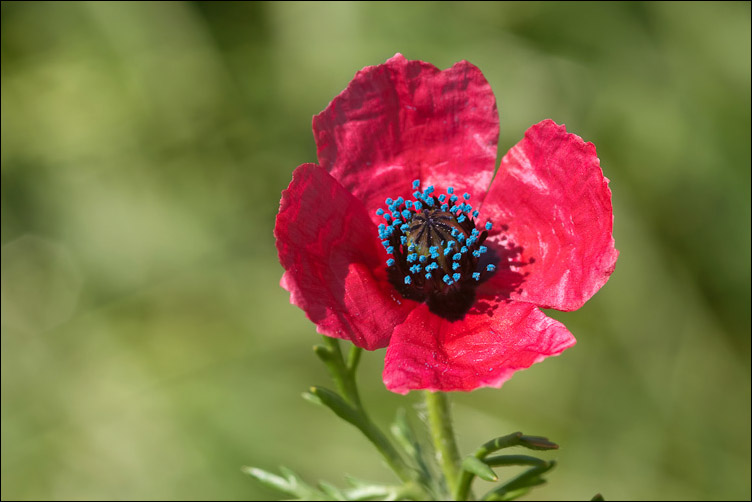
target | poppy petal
[
  {"x": 551, "y": 209},
  {"x": 483, "y": 349},
  {"x": 334, "y": 264},
  {"x": 406, "y": 120}
]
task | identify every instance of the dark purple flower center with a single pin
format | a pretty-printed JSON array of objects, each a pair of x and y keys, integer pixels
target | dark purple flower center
[{"x": 435, "y": 249}]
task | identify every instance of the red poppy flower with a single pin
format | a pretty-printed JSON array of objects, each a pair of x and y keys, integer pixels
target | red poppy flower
[{"x": 399, "y": 238}]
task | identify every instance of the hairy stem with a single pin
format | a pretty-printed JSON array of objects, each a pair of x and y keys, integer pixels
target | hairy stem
[{"x": 442, "y": 434}]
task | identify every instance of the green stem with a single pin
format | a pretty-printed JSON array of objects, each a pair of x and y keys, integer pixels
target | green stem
[
  {"x": 442, "y": 434},
  {"x": 343, "y": 374}
]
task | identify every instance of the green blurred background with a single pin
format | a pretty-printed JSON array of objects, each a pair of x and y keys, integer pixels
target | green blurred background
[{"x": 147, "y": 349}]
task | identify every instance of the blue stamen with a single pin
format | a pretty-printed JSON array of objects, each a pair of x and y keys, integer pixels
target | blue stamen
[{"x": 400, "y": 217}]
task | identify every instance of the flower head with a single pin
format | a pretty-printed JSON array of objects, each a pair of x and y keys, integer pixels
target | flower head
[{"x": 399, "y": 238}]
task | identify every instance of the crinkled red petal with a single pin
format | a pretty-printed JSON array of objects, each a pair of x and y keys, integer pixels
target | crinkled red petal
[
  {"x": 406, "y": 120},
  {"x": 483, "y": 349},
  {"x": 334, "y": 264},
  {"x": 551, "y": 209}
]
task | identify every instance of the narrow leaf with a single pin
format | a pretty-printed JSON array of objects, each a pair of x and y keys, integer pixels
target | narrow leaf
[
  {"x": 479, "y": 468},
  {"x": 312, "y": 398},
  {"x": 498, "y": 444},
  {"x": 331, "y": 490},
  {"x": 407, "y": 439},
  {"x": 537, "y": 443},
  {"x": 293, "y": 479},
  {"x": 270, "y": 480},
  {"x": 324, "y": 353},
  {"x": 531, "y": 477},
  {"x": 501, "y": 460},
  {"x": 334, "y": 402}
]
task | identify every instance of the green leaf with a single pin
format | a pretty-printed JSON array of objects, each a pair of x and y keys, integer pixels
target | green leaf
[
  {"x": 312, "y": 398},
  {"x": 331, "y": 490},
  {"x": 537, "y": 443},
  {"x": 292, "y": 478},
  {"x": 521, "y": 484},
  {"x": 370, "y": 492},
  {"x": 502, "y": 460},
  {"x": 334, "y": 402},
  {"x": 498, "y": 443},
  {"x": 479, "y": 468},
  {"x": 324, "y": 353},
  {"x": 597, "y": 496},
  {"x": 269, "y": 480},
  {"x": 408, "y": 440}
]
